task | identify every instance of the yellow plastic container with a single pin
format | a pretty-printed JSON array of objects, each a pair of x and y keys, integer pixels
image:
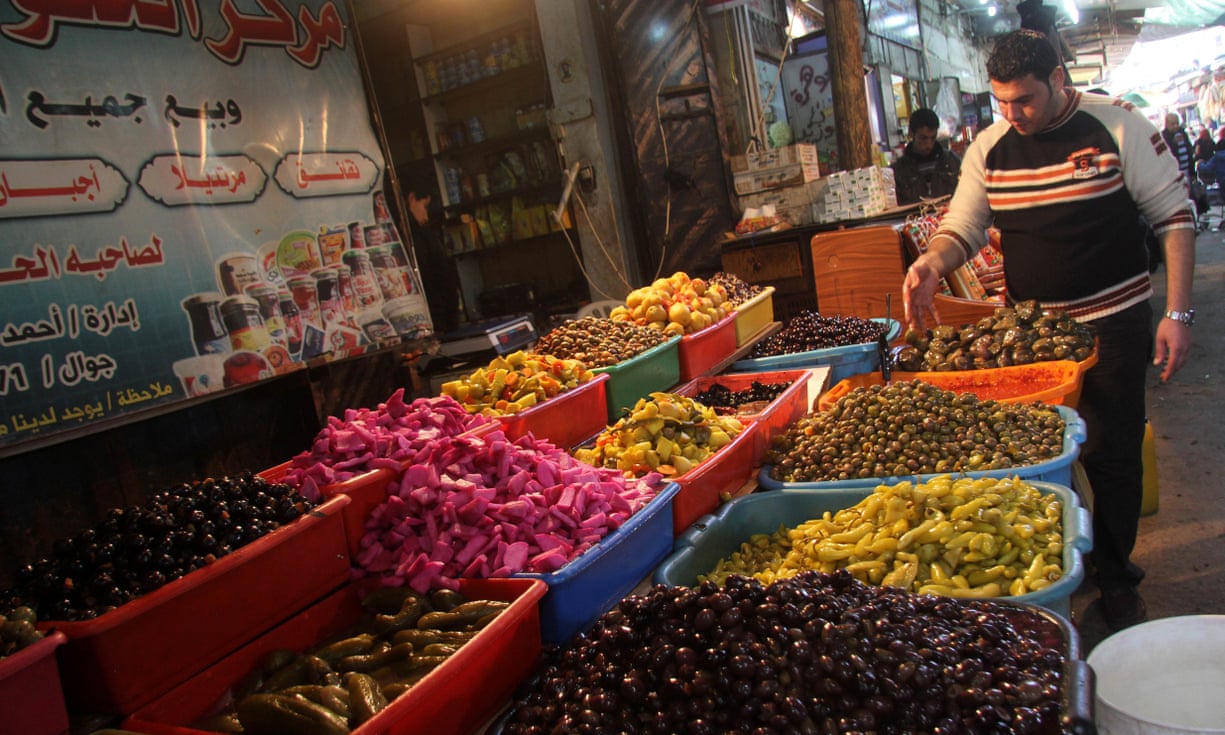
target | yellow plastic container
[
  {"x": 753, "y": 315},
  {"x": 1148, "y": 455}
]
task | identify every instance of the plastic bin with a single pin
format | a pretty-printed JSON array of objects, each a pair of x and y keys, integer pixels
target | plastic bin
[
  {"x": 124, "y": 659},
  {"x": 726, "y": 472},
  {"x": 1051, "y": 630},
  {"x": 31, "y": 699},
  {"x": 592, "y": 583},
  {"x": 1056, "y": 382},
  {"x": 1176, "y": 690},
  {"x": 843, "y": 362},
  {"x": 365, "y": 492},
  {"x": 1057, "y": 469},
  {"x": 754, "y": 315},
  {"x": 565, "y": 419},
  {"x": 701, "y": 351},
  {"x": 774, "y": 418},
  {"x": 717, "y": 536},
  {"x": 454, "y": 699},
  {"x": 655, "y": 369}
]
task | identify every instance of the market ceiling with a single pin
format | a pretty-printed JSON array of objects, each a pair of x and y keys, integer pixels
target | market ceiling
[{"x": 1100, "y": 33}]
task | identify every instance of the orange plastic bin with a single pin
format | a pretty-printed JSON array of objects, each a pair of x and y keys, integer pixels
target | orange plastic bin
[{"x": 1056, "y": 382}]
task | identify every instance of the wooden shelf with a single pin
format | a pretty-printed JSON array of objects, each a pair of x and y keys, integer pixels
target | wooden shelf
[
  {"x": 495, "y": 144},
  {"x": 525, "y": 242},
  {"x": 509, "y": 79},
  {"x": 475, "y": 42},
  {"x": 505, "y": 195}
]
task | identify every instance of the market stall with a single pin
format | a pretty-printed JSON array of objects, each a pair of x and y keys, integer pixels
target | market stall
[{"x": 522, "y": 500}]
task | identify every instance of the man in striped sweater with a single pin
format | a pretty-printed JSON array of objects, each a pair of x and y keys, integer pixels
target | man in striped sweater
[{"x": 1065, "y": 177}]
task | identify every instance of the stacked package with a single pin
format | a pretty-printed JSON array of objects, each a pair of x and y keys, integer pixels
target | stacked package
[
  {"x": 856, "y": 194},
  {"x": 786, "y": 179}
]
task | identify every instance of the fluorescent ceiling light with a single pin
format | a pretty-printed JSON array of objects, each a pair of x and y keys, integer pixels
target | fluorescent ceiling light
[{"x": 1073, "y": 12}]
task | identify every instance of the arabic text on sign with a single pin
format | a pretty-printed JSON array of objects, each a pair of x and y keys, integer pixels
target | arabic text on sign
[
  {"x": 275, "y": 27},
  {"x": 77, "y": 366},
  {"x": 13, "y": 377},
  {"x": 46, "y": 264},
  {"x": 74, "y": 191},
  {"x": 38, "y": 109},
  {"x": 220, "y": 115}
]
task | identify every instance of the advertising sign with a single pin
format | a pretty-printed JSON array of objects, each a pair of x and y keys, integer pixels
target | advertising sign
[{"x": 191, "y": 199}]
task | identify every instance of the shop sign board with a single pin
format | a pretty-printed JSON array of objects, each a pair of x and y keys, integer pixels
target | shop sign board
[{"x": 191, "y": 199}]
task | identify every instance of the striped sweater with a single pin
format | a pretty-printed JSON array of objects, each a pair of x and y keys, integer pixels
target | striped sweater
[{"x": 1067, "y": 202}]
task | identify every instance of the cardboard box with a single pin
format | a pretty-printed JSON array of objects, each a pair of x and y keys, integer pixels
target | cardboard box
[
  {"x": 748, "y": 182},
  {"x": 540, "y": 220},
  {"x": 786, "y": 197},
  {"x": 788, "y": 155}
]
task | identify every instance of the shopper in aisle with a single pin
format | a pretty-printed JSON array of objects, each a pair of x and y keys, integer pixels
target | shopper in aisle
[
  {"x": 1064, "y": 176},
  {"x": 925, "y": 169},
  {"x": 1204, "y": 147},
  {"x": 438, "y": 272},
  {"x": 1179, "y": 143}
]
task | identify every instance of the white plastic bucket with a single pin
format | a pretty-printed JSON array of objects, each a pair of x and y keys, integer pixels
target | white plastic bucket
[{"x": 1163, "y": 677}]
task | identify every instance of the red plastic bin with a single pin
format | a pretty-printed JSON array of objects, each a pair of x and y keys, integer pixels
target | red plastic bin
[
  {"x": 31, "y": 699},
  {"x": 565, "y": 419},
  {"x": 125, "y": 658},
  {"x": 775, "y": 417},
  {"x": 454, "y": 699},
  {"x": 726, "y": 471},
  {"x": 701, "y": 351},
  {"x": 365, "y": 491}
]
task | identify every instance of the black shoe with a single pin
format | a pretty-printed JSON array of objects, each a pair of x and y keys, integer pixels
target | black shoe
[{"x": 1123, "y": 607}]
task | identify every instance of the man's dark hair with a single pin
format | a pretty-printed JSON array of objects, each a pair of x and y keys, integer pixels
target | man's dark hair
[
  {"x": 1019, "y": 54},
  {"x": 924, "y": 118}
]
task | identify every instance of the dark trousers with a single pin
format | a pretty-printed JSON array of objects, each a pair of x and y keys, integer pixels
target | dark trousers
[{"x": 1112, "y": 405}]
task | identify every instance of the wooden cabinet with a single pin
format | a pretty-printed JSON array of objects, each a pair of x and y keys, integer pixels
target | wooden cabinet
[{"x": 779, "y": 259}]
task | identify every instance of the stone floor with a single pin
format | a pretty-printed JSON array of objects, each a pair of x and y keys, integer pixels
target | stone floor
[{"x": 1182, "y": 545}]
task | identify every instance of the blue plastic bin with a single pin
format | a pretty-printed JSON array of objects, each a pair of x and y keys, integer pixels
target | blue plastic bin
[
  {"x": 718, "y": 535},
  {"x": 593, "y": 583},
  {"x": 1057, "y": 470},
  {"x": 843, "y": 362}
]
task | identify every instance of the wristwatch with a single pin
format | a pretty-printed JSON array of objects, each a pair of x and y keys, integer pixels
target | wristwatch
[{"x": 1186, "y": 317}]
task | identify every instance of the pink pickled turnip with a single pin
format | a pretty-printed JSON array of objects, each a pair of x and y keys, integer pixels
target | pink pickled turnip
[
  {"x": 488, "y": 506},
  {"x": 393, "y": 435}
]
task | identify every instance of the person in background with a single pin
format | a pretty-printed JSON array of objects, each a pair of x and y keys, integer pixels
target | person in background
[
  {"x": 1212, "y": 173},
  {"x": 1220, "y": 139},
  {"x": 1179, "y": 143},
  {"x": 1204, "y": 147},
  {"x": 925, "y": 169},
  {"x": 438, "y": 272},
  {"x": 1065, "y": 176}
]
